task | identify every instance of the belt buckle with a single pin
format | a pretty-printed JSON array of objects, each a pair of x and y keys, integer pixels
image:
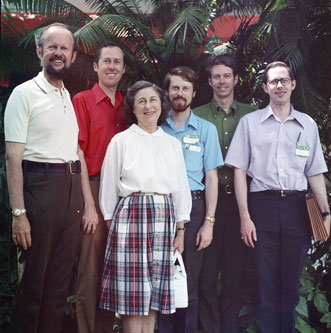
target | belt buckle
[
  {"x": 282, "y": 193},
  {"x": 70, "y": 167},
  {"x": 228, "y": 189}
]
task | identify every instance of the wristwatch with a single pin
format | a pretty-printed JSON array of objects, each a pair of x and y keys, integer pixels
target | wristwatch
[
  {"x": 210, "y": 219},
  {"x": 18, "y": 212}
]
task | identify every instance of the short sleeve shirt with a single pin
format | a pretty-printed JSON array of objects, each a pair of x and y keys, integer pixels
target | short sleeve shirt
[
  {"x": 200, "y": 146},
  {"x": 99, "y": 120},
  {"x": 226, "y": 125},
  {"x": 278, "y": 155},
  {"x": 42, "y": 117}
]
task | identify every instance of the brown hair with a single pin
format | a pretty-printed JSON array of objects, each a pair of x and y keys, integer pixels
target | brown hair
[
  {"x": 276, "y": 64},
  {"x": 225, "y": 60},
  {"x": 186, "y": 73}
]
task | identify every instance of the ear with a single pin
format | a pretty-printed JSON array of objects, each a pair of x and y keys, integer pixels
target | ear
[
  {"x": 209, "y": 81},
  {"x": 95, "y": 66},
  {"x": 73, "y": 58},
  {"x": 193, "y": 95},
  {"x": 294, "y": 84},
  {"x": 265, "y": 88},
  {"x": 39, "y": 52},
  {"x": 235, "y": 80},
  {"x": 124, "y": 69}
]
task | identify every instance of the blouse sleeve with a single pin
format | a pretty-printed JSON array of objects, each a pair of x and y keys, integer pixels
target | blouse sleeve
[
  {"x": 110, "y": 176},
  {"x": 182, "y": 198}
]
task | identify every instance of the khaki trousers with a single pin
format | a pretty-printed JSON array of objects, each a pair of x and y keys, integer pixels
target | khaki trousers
[{"x": 90, "y": 318}]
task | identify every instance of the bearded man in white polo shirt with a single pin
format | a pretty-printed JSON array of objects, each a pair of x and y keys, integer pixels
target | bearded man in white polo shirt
[{"x": 44, "y": 179}]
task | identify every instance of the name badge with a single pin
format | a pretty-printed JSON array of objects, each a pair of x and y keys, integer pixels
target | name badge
[
  {"x": 302, "y": 151},
  {"x": 191, "y": 139},
  {"x": 193, "y": 148}
]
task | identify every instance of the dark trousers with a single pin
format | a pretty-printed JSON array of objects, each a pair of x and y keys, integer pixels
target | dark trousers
[
  {"x": 186, "y": 320},
  {"x": 54, "y": 206},
  {"x": 283, "y": 234},
  {"x": 219, "y": 313}
]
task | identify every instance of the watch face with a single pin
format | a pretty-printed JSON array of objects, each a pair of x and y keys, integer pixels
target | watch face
[{"x": 17, "y": 212}]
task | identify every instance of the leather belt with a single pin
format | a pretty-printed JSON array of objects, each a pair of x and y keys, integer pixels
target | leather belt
[
  {"x": 281, "y": 193},
  {"x": 94, "y": 178},
  {"x": 70, "y": 167},
  {"x": 198, "y": 195},
  {"x": 228, "y": 189}
]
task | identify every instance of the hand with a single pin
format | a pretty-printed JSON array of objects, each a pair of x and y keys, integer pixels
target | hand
[
  {"x": 179, "y": 242},
  {"x": 108, "y": 223},
  {"x": 248, "y": 231},
  {"x": 22, "y": 230},
  {"x": 90, "y": 220},
  {"x": 204, "y": 235}
]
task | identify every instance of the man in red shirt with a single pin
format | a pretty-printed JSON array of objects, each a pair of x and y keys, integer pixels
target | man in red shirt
[{"x": 100, "y": 116}]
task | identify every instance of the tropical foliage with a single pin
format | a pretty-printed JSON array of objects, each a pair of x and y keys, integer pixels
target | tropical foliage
[{"x": 172, "y": 33}]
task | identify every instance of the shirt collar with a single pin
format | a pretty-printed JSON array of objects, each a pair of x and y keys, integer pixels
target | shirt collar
[
  {"x": 217, "y": 108},
  {"x": 100, "y": 95},
  {"x": 192, "y": 121},
  {"x": 294, "y": 115},
  {"x": 135, "y": 128},
  {"x": 44, "y": 85}
]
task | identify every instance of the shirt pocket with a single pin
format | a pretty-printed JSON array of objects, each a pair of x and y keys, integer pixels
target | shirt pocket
[{"x": 194, "y": 160}]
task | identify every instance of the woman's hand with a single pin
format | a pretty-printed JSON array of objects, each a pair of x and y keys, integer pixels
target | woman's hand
[{"x": 179, "y": 240}]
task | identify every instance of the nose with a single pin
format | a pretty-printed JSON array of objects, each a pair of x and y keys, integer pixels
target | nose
[{"x": 279, "y": 84}]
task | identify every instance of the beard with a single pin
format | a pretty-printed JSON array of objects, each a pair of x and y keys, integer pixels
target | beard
[
  {"x": 182, "y": 106},
  {"x": 56, "y": 74}
]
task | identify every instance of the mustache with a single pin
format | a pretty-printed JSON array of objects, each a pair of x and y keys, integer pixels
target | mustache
[
  {"x": 55, "y": 57},
  {"x": 180, "y": 98}
]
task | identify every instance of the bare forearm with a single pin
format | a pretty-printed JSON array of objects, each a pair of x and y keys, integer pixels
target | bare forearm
[
  {"x": 14, "y": 176},
  {"x": 86, "y": 189},
  {"x": 240, "y": 186},
  {"x": 211, "y": 192},
  {"x": 317, "y": 185}
]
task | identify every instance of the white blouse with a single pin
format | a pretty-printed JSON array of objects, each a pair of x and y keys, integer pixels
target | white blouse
[{"x": 137, "y": 161}]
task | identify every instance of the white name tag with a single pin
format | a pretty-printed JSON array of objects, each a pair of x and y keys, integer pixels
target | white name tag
[
  {"x": 302, "y": 151},
  {"x": 191, "y": 139},
  {"x": 193, "y": 148}
]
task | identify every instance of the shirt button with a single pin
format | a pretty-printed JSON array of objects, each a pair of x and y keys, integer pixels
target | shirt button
[
  {"x": 117, "y": 125},
  {"x": 226, "y": 132},
  {"x": 226, "y": 147},
  {"x": 157, "y": 235},
  {"x": 155, "y": 279},
  {"x": 225, "y": 118},
  {"x": 226, "y": 177}
]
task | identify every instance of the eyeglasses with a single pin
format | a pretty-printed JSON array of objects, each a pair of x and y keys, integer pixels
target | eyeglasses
[{"x": 283, "y": 82}]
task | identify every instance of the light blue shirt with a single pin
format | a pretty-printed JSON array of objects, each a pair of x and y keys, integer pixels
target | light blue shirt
[{"x": 200, "y": 145}]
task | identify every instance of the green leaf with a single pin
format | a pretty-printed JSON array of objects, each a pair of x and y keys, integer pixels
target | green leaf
[
  {"x": 302, "y": 307},
  {"x": 302, "y": 326},
  {"x": 326, "y": 318},
  {"x": 321, "y": 303}
]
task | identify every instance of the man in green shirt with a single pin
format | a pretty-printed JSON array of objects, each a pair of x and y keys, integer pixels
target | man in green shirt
[{"x": 225, "y": 254}]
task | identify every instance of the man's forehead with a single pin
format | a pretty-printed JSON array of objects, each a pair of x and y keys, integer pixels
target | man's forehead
[
  {"x": 112, "y": 51},
  {"x": 276, "y": 71},
  {"x": 175, "y": 80},
  {"x": 217, "y": 69}
]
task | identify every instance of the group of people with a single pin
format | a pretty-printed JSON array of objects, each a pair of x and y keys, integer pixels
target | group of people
[{"x": 129, "y": 182}]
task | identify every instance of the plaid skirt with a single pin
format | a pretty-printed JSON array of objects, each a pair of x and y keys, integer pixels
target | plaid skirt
[{"x": 138, "y": 269}]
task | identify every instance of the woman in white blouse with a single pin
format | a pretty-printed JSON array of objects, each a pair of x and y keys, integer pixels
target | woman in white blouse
[{"x": 145, "y": 199}]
